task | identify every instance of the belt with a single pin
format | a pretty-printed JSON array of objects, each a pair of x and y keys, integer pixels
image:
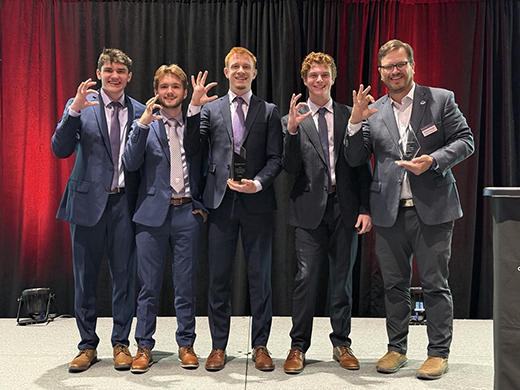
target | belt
[
  {"x": 406, "y": 203},
  {"x": 117, "y": 190},
  {"x": 179, "y": 201}
]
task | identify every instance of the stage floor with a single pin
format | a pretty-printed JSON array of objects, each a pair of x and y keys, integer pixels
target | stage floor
[{"x": 38, "y": 355}]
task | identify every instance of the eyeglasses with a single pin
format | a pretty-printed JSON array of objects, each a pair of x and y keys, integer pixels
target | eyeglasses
[{"x": 390, "y": 67}]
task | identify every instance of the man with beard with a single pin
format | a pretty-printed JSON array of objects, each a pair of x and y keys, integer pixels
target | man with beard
[
  {"x": 169, "y": 210},
  {"x": 413, "y": 199},
  {"x": 99, "y": 202}
]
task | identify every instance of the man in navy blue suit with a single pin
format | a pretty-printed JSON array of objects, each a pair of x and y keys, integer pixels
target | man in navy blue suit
[
  {"x": 99, "y": 202},
  {"x": 240, "y": 123},
  {"x": 169, "y": 210}
]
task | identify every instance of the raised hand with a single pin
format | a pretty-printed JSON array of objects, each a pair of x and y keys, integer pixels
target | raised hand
[
  {"x": 148, "y": 115},
  {"x": 361, "y": 100},
  {"x": 200, "y": 92},
  {"x": 80, "y": 100},
  {"x": 295, "y": 117}
]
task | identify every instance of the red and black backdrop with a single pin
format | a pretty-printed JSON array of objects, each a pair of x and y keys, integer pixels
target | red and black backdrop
[{"x": 49, "y": 46}]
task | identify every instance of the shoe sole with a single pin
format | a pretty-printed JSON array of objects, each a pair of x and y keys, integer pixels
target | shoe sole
[
  {"x": 424, "y": 375},
  {"x": 123, "y": 367},
  {"x": 392, "y": 370},
  {"x": 292, "y": 372},
  {"x": 214, "y": 368},
  {"x": 353, "y": 368},
  {"x": 141, "y": 370},
  {"x": 81, "y": 369}
]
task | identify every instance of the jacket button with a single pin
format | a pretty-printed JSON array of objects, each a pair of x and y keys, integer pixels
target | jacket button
[
  {"x": 400, "y": 182},
  {"x": 111, "y": 169},
  {"x": 107, "y": 189}
]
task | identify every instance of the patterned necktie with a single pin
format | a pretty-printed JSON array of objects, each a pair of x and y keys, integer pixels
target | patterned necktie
[
  {"x": 176, "y": 172},
  {"x": 115, "y": 140},
  {"x": 238, "y": 125},
  {"x": 324, "y": 137}
]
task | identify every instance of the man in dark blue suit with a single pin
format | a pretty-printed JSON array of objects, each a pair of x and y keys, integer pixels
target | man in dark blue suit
[
  {"x": 238, "y": 122},
  {"x": 99, "y": 202},
  {"x": 328, "y": 207},
  {"x": 169, "y": 210}
]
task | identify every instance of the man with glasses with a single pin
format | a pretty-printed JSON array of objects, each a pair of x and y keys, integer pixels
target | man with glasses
[{"x": 416, "y": 135}]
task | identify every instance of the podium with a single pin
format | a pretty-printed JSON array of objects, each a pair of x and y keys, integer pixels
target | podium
[{"x": 506, "y": 285}]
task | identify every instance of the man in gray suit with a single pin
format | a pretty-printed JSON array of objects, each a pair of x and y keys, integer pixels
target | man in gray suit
[
  {"x": 414, "y": 203},
  {"x": 328, "y": 207}
]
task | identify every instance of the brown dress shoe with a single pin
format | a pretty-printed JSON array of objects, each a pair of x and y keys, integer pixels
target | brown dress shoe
[
  {"x": 122, "y": 357},
  {"x": 432, "y": 368},
  {"x": 345, "y": 357},
  {"x": 216, "y": 360},
  {"x": 188, "y": 357},
  {"x": 391, "y": 362},
  {"x": 142, "y": 361},
  {"x": 83, "y": 360},
  {"x": 294, "y": 362},
  {"x": 262, "y": 359}
]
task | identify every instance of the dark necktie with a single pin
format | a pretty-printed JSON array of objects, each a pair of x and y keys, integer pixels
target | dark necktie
[
  {"x": 115, "y": 140},
  {"x": 238, "y": 125},
  {"x": 324, "y": 137},
  {"x": 176, "y": 172}
]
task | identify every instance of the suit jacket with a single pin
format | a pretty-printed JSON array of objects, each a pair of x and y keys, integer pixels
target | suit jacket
[
  {"x": 86, "y": 194},
  {"x": 148, "y": 150},
  {"x": 304, "y": 157},
  {"x": 263, "y": 144},
  {"x": 434, "y": 192}
]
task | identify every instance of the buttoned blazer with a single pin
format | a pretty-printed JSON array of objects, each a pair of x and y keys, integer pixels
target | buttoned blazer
[
  {"x": 86, "y": 193},
  {"x": 442, "y": 132},
  {"x": 148, "y": 150},
  {"x": 303, "y": 156},
  {"x": 262, "y": 142}
]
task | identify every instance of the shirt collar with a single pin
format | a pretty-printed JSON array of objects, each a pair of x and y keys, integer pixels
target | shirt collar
[
  {"x": 106, "y": 99},
  {"x": 247, "y": 96},
  {"x": 179, "y": 118},
  {"x": 406, "y": 101},
  {"x": 314, "y": 107}
]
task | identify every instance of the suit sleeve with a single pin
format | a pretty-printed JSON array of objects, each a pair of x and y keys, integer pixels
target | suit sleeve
[
  {"x": 364, "y": 178},
  {"x": 67, "y": 134},
  {"x": 292, "y": 159},
  {"x": 358, "y": 147},
  {"x": 133, "y": 156},
  {"x": 459, "y": 143}
]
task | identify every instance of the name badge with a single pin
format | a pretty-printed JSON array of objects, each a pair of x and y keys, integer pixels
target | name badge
[{"x": 428, "y": 129}]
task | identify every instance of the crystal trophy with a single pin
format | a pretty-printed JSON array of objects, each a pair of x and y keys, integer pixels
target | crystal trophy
[
  {"x": 409, "y": 145},
  {"x": 239, "y": 165}
]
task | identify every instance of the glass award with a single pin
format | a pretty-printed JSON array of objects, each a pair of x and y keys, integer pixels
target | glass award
[
  {"x": 239, "y": 165},
  {"x": 409, "y": 145}
]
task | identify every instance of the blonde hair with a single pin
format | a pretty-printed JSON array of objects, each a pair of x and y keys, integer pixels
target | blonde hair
[{"x": 172, "y": 69}]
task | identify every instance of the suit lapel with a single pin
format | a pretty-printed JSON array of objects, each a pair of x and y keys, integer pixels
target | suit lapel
[
  {"x": 226, "y": 114},
  {"x": 101, "y": 119},
  {"x": 420, "y": 101},
  {"x": 387, "y": 114},
  {"x": 252, "y": 112},
  {"x": 130, "y": 117},
  {"x": 160, "y": 132},
  {"x": 340, "y": 124},
  {"x": 309, "y": 127}
]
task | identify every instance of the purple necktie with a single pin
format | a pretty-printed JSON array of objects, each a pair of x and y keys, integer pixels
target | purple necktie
[
  {"x": 324, "y": 138},
  {"x": 238, "y": 125},
  {"x": 115, "y": 140}
]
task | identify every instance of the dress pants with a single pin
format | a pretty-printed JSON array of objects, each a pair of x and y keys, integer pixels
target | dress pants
[
  {"x": 181, "y": 230},
  {"x": 331, "y": 241},
  {"x": 431, "y": 245},
  {"x": 256, "y": 231},
  {"x": 115, "y": 231}
]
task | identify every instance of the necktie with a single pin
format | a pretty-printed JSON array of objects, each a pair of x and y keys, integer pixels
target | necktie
[
  {"x": 115, "y": 140},
  {"x": 176, "y": 172},
  {"x": 324, "y": 137},
  {"x": 238, "y": 125}
]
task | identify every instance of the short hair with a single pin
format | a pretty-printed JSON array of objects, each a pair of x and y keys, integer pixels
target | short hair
[
  {"x": 318, "y": 59},
  {"x": 114, "y": 55},
  {"x": 172, "y": 69},
  {"x": 394, "y": 44},
  {"x": 239, "y": 50}
]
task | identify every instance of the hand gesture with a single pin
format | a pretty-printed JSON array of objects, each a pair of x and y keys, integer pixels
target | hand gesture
[
  {"x": 80, "y": 100},
  {"x": 295, "y": 117},
  {"x": 200, "y": 92},
  {"x": 418, "y": 165},
  {"x": 361, "y": 100},
  {"x": 148, "y": 115},
  {"x": 245, "y": 185}
]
